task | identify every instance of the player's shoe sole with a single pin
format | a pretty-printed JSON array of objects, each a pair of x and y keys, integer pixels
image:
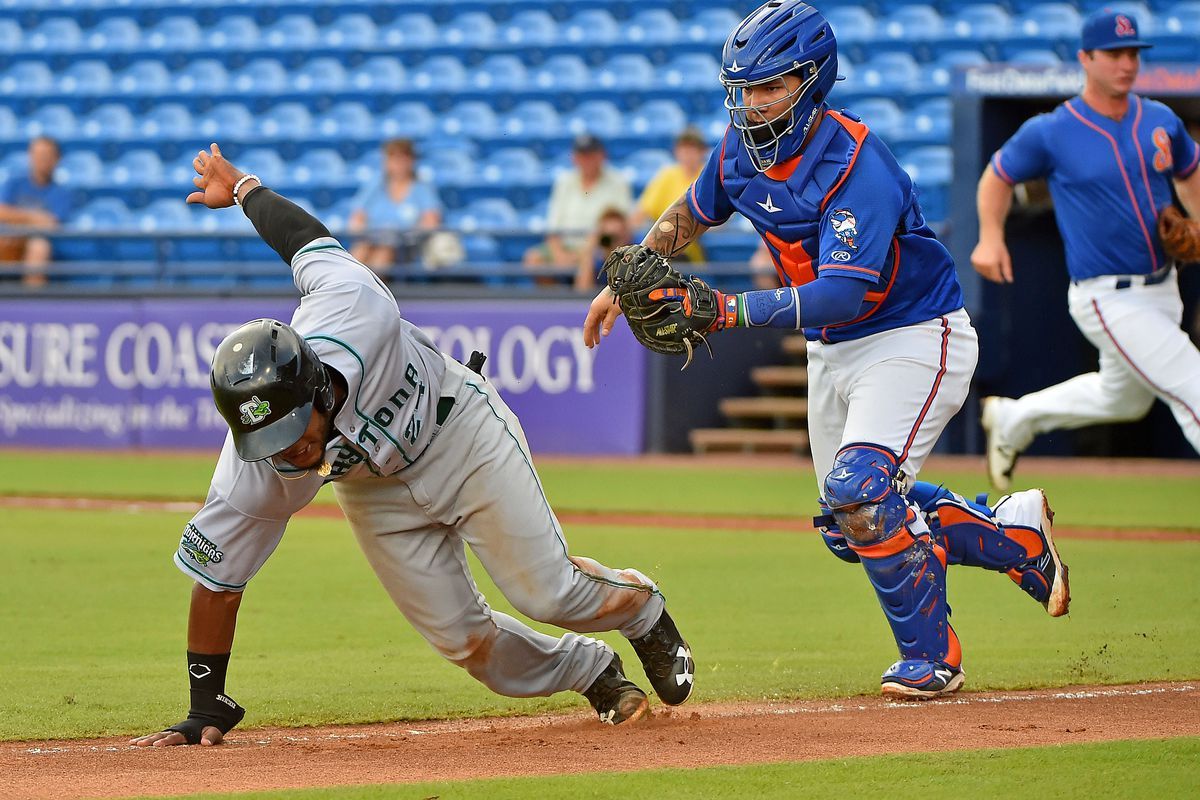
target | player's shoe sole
[
  {"x": 1001, "y": 460},
  {"x": 940, "y": 680},
  {"x": 1059, "y": 601}
]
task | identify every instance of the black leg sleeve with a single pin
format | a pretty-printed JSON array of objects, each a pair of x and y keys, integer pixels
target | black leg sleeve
[{"x": 282, "y": 224}]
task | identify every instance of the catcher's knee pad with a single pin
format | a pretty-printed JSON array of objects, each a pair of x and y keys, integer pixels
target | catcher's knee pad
[
  {"x": 970, "y": 533},
  {"x": 860, "y": 490},
  {"x": 832, "y": 535}
]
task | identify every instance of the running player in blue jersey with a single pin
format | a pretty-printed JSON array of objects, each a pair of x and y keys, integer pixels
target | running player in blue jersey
[
  {"x": 1111, "y": 158},
  {"x": 891, "y": 350}
]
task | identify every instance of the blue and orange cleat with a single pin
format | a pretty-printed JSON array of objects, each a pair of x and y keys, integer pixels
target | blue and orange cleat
[
  {"x": 1028, "y": 518},
  {"x": 912, "y": 679}
]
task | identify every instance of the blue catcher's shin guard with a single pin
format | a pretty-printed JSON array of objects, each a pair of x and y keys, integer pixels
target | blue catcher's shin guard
[
  {"x": 831, "y": 534},
  {"x": 908, "y": 571},
  {"x": 968, "y": 531}
]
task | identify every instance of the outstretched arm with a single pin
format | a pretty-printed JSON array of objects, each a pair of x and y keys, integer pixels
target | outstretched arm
[
  {"x": 282, "y": 224},
  {"x": 990, "y": 257},
  {"x": 211, "y": 623}
]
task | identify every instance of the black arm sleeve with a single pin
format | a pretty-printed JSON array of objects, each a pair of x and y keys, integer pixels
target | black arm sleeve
[{"x": 282, "y": 224}]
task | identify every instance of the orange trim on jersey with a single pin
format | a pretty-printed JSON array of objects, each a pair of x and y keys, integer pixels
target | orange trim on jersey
[
  {"x": 900, "y": 542},
  {"x": 781, "y": 172},
  {"x": 859, "y": 132},
  {"x": 1192, "y": 166},
  {"x": 937, "y": 382},
  {"x": 874, "y": 272},
  {"x": 1142, "y": 158},
  {"x": 999, "y": 170},
  {"x": 1128, "y": 186},
  {"x": 696, "y": 207},
  {"x": 879, "y": 297},
  {"x": 794, "y": 262}
]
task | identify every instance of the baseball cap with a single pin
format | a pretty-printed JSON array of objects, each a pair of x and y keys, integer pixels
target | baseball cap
[
  {"x": 1111, "y": 30},
  {"x": 586, "y": 143}
]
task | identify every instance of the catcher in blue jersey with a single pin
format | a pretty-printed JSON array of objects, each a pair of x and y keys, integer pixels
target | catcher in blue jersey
[{"x": 891, "y": 350}]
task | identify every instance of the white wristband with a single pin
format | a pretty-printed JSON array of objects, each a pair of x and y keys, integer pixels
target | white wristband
[{"x": 237, "y": 186}]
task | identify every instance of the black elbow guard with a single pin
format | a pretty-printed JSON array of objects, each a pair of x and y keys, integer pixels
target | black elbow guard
[{"x": 282, "y": 224}]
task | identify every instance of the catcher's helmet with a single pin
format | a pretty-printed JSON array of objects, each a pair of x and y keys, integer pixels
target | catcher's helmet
[
  {"x": 781, "y": 37},
  {"x": 266, "y": 381}
]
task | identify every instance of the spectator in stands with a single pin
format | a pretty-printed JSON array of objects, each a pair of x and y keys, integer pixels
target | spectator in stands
[
  {"x": 578, "y": 199},
  {"x": 612, "y": 231},
  {"x": 669, "y": 184},
  {"x": 34, "y": 201},
  {"x": 388, "y": 210}
]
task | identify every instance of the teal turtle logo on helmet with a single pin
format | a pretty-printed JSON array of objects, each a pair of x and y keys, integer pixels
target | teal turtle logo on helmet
[{"x": 254, "y": 411}]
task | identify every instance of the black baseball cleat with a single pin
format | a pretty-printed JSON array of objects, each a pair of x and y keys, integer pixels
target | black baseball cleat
[
  {"x": 616, "y": 699},
  {"x": 667, "y": 660}
]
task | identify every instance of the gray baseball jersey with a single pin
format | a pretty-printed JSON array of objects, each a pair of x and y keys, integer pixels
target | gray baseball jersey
[{"x": 426, "y": 458}]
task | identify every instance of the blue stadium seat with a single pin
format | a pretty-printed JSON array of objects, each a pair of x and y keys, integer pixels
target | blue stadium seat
[
  {"x": 114, "y": 35},
  {"x": 174, "y": 34},
  {"x": 915, "y": 23},
  {"x": 204, "y": 76},
  {"x": 108, "y": 121},
  {"x": 80, "y": 168},
  {"x": 346, "y": 120},
  {"x": 471, "y": 118},
  {"x": 410, "y": 120},
  {"x": 562, "y": 72},
  {"x": 350, "y": 32},
  {"x": 89, "y": 76},
  {"x": 12, "y": 36},
  {"x": 234, "y": 33},
  {"x": 225, "y": 121},
  {"x": 981, "y": 22},
  {"x": 410, "y": 30},
  {"x": 652, "y": 26},
  {"x": 503, "y": 71},
  {"x": 55, "y": 34},
  {"x": 367, "y": 168},
  {"x": 137, "y": 168},
  {"x": 534, "y": 119},
  {"x": 481, "y": 249},
  {"x": 27, "y": 77},
  {"x": 444, "y": 73},
  {"x": 512, "y": 166},
  {"x": 469, "y": 29},
  {"x": 1051, "y": 21},
  {"x": 166, "y": 120},
  {"x": 447, "y": 161},
  {"x": 882, "y": 116},
  {"x": 528, "y": 27},
  {"x": 657, "y": 118},
  {"x": 486, "y": 214},
  {"x": 712, "y": 25},
  {"x": 291, "y": 32},
  {"x": 10, "y": 128},
  {"x": 851, "y": 24},
  {"x": 931, "y": 121},
  {"x": 642, "y": 165},
  {"x": 378, "y": 74},
  {"x": 102, "y": 214},
  {"x": 599, "y": 117},
  {"x": 321, "y": 166},
  {"x": 1148, "y": 22},
  {"x": 939, "y": 75},
  {"x": 1181, "y": 18},
  {"x": 165, "y": 214},
  {"x": 1041, "y": 58},
  {"x": 888, "y": 73},
  {"x": 625, "y": 71},
  {"x": 15, "y": 163},
  {"x": 931, "y": 169},
  {"x": 324, "y": 74},
  {"x": 54, "y": 119},
  {"x": 691, "y": 71},
  {"x": 261, "y": 76},
  {"x": 593, "y": 26},
  {"x": 285, "y": 121},
  {"x": 148, "y": 77},
  {"x": 265, "y": 162}
]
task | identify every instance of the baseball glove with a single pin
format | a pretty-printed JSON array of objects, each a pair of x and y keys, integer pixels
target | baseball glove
[
  {"x": 1180, "y": 236},
  {"x": 667, "y": 312}
]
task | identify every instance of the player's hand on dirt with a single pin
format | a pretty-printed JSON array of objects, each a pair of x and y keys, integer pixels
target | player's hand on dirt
[
  {"x": 601, "y": 315},
  {"x": 992, "y": 261},
  {"x": 208, "y": 737},
  {"x": 215, "y": 178}
]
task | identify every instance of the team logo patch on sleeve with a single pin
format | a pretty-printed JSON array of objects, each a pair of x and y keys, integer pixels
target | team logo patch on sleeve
[
  {"x": 845, "y": 227},
  {"x": 197, "y": 545},
  {"x": 254, "y": 411}
]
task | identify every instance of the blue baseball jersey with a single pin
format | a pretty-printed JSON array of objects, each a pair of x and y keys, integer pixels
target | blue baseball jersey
[
  {"x": 1108, "y": 179},
  {"x": 843, "y": 207}
]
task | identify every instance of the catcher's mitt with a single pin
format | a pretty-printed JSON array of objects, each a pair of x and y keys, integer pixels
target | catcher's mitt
[
  {"x": 1180, "y": 236},
  {"x": 667, "y": 312}
]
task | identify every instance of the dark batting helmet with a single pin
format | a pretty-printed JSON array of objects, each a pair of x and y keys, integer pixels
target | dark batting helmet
[{"x": 266, "y": 381}]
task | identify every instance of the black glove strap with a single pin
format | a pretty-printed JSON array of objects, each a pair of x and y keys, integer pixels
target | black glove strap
[{"x": 210, "y": 704}]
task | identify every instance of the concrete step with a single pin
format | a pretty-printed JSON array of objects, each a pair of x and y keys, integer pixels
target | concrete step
[
  {"x": 748, "y": 440},
  {"x": 782, "y": 409},
  {"x": 780, "y": 377}
]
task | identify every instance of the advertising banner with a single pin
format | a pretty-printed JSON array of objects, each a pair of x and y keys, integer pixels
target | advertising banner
[{"x": 119, "y": 373}]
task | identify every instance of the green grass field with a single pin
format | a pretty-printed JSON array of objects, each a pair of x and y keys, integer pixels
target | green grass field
[{"x": 93, "y": 618}]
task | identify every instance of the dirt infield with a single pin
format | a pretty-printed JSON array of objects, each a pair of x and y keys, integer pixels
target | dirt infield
[{"x": 691, "y": 736}]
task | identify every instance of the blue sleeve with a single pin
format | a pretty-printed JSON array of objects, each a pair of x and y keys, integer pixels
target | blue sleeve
[
  {"x": 826, "y": 301},
  {"x": 427, "y": 198},
  {"x": 1025, "y": 155},
  {"x": 859, "y": 222},
  {"x": 60, "y": 203},
  {"x": 1185, "y": 153},
  {"x": 707, "y": 198}
]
